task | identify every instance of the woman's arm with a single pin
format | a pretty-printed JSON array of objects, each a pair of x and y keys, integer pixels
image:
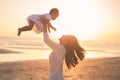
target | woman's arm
[{"x": 53, "y": 45}]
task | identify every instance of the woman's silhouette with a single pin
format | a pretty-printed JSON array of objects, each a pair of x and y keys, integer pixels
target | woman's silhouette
[{"x": 68, "y": 48}]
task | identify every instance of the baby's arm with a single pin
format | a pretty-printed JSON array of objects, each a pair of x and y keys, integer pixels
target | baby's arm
[{"x": 50, "y": 26}]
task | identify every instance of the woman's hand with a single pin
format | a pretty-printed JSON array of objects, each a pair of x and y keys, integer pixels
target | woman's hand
[
  {"x": 45, "y": 22},
  {"x": 43, "y": 19},
  {"x": 45, "y": 28}
]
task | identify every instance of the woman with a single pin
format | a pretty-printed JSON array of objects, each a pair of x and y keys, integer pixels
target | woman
[{"x": 68, "y": 48}]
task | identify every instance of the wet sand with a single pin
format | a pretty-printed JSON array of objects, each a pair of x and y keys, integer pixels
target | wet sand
[{"x": 88, "y": 69}]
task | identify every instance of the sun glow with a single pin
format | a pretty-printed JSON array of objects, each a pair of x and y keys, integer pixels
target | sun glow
[
  {"x": 88, "y": 55},
  {"x": 85, "y": 22},
  {"x": 86, "y": 19}
]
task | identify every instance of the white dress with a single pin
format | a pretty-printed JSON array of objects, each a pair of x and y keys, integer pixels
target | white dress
[
  {"x": 38, "y": 26},
  {"x": 56, "y": 58}
]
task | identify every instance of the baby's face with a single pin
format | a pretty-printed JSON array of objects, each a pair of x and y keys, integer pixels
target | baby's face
[
  {"x": 54, "y": 16},
  {"x": 63, "y": 40}
]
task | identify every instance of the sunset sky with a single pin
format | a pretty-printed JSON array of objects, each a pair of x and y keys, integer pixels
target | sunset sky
[{"x": 87, "y": 19}]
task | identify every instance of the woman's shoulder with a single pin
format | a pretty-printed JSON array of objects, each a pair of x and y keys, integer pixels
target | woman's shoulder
[{"x": 61, "y": 48}]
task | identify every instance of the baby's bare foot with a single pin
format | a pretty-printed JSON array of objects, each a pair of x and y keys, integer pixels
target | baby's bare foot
[{"x": 19, "y": 31}]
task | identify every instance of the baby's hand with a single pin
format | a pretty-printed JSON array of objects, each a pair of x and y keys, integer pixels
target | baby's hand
[{"x": 54, "y": 29}]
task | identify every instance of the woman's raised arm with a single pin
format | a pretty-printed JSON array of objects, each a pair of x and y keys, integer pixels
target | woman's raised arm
[{"x": 53, "y": 45}]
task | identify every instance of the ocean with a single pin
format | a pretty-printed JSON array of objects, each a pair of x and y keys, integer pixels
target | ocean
[{"x": 18, "y": 49}]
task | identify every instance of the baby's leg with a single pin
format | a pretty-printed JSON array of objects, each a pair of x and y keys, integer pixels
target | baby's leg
[{"x": 26, "y": 28}]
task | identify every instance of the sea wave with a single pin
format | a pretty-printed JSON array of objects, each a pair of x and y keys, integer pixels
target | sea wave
[{"x": 96, "y": 46}]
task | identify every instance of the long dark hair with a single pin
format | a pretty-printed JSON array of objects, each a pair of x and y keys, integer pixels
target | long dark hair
[{"x": 73, "y": 52}]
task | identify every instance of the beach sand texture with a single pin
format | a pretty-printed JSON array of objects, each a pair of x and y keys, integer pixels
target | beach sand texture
[{"x": 88, "y": 69}]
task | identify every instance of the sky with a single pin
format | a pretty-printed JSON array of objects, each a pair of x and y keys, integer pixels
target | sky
[{"x": 86, "y": 19}]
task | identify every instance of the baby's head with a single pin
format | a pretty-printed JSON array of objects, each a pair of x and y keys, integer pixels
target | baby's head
[{"x": 54, "y": 13}]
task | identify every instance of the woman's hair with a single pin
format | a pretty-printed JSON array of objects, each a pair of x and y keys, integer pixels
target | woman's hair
[{"x": 73, "y": 51}]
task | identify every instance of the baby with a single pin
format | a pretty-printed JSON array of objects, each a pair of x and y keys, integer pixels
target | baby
[{"x": 35, "y": 23}]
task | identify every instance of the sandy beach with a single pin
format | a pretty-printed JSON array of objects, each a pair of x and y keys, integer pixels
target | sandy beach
[
  {"x": 30, "y": 62},
  {"x": 89, "y": 69}
]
